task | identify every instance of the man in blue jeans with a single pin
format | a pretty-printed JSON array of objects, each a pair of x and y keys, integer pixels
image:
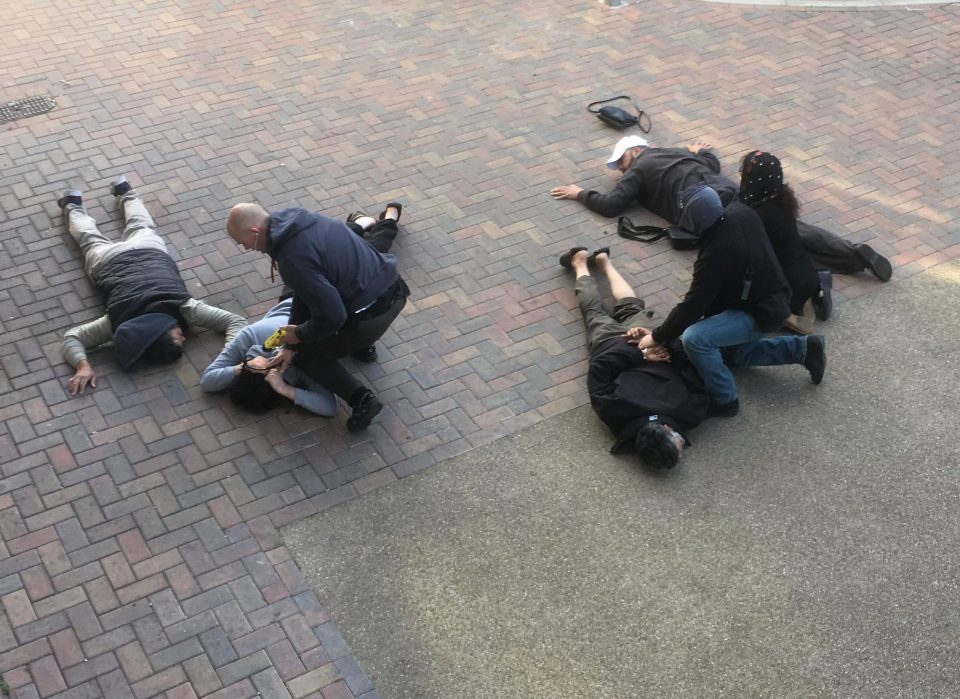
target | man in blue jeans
[{"x": 737, "y": 294}]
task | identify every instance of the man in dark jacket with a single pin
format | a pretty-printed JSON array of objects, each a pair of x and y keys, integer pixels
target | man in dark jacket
[
  {"x": 655, "y": 177},
  {"x": 148, "y": 305},
  {"x": 648, "y": 401},
  {"x": 737, "y": 293},
  {"x": 345, "y": 293}
]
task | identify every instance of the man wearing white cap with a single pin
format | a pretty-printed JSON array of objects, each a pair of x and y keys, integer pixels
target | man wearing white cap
[{"x": 653, "y": 177}]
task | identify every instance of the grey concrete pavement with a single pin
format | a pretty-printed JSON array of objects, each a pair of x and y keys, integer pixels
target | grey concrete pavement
[{"x": 807, "y": 548}]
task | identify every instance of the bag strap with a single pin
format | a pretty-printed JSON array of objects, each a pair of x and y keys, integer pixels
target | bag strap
[
  {"x": 612, "y": 99},
  {"x": 643, "y": 234},
  {"x": 641, "y": 115}
]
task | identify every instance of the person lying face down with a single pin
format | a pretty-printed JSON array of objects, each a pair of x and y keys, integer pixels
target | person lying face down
[
  {"x": 147, "y": 303},
  {"x": 655, "y": 177},
  {"x": 647, "y": 400},
  {"x": 243, "y": 367}
]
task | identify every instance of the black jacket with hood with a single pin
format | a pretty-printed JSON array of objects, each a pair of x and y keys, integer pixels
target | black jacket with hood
[
  {"x": 731, "y": 254},
  {"x": 625, "y": 390},
  {"x": 333, "y": 271},
  {"x": 655, "y": 179}
]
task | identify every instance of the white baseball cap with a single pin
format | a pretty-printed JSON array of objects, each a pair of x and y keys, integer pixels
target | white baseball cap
[{"x": 623, "y": 145}]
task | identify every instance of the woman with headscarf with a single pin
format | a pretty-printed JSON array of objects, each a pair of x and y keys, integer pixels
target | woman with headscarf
[{"x": 763, "y": 189}]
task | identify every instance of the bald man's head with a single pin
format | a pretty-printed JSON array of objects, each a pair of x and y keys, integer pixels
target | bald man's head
[{"x": 247, "y": 225}]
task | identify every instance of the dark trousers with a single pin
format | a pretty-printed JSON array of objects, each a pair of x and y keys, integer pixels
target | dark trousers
[
  {"x": 320, "y": 358},
  {"x": 829, "y": 251}
]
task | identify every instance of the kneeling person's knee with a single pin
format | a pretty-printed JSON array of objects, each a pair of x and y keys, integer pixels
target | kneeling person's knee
[{"x": 693, "y": 338}]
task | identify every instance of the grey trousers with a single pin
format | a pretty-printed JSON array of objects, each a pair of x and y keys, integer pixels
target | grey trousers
[
  {"x": 829, "y": 251},
  {"x": 601, "y": 326},
  {"x": 138, "y": 233}
]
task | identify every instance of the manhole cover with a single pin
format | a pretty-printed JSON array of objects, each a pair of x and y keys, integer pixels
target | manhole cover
[{"x": 27, "y": 107}]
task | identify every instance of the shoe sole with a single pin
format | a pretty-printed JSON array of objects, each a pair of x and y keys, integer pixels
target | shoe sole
[
  {"x": 73, "y": 193},
  {"x": 818, "y": 378},
  {"x": 121, "y": 183},
  {"x": 592, "y": 259},
  {"x": 878, "y": 264},
  {"x": 566, "y": 259}
]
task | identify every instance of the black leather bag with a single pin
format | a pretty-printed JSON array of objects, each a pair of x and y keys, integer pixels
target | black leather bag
[
  {"x": 680, "y": 238},
  {"x": 619, "y": 118}
]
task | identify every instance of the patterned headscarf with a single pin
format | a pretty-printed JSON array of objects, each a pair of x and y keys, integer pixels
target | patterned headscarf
[{"x": 761, "y": 177}]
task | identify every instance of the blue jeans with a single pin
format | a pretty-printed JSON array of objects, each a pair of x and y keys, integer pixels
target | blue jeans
[{"x": 738, "y": 331}]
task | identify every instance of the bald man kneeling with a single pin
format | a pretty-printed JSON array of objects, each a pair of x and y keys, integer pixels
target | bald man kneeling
[{"x": 346, "y": 290}]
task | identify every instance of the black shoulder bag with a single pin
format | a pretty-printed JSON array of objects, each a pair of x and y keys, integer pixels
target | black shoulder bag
[
  {"x": 618, "y": 118},
  {"x": 680, "y": 238}
]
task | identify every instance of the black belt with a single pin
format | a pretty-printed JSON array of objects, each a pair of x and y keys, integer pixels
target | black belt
[{"x": 383, "y": 303}]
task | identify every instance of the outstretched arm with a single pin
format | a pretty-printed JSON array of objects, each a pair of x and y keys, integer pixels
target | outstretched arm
[
  {"x": 76, "y": 341},
  {"x": 628, "y": 189},
  {"x": 566, "y": 191},
  {"x": 206, "y": 316}
]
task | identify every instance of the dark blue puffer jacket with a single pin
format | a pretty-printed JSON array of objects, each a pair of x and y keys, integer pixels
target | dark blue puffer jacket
[
  {"x": 333, "y": 271},
  {"x": 138, "y": 282}
]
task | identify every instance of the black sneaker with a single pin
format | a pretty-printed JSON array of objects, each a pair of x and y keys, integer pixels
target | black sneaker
[
  {"x": 73, "y": 196},
  {"x": 823, "y": 306},
  {"x": 367, "y": 354},
  {"x": 816, "y": 359},
  {"x": 365, "y": 409},
  {"x": 875, "y": 262},
  {"x": 724, "y": 409},
  {"x": 120, "y": 186}
]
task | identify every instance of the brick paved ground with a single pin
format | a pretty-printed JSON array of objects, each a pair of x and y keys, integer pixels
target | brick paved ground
[{"x": 140, "y": 554}]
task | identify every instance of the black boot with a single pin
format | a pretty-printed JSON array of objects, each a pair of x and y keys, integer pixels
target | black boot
[
  {"x": 365, "y": 407},
  {"x": 823, "y": 305},
  {"x": 74, "y": 197},
  {"x": 816, "y": 359},
  {"x": 120, "y": 186},
  {"x": 366, "y": 354},
  {"x": 875, "y": 262}
]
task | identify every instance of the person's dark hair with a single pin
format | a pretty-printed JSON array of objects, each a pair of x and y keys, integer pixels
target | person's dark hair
[
  {"x": 163, "y": 350},
  {"x": 789, "y": 200},
  {"x": 656, "y": 447},
  {"x": 251, "y": 391}
]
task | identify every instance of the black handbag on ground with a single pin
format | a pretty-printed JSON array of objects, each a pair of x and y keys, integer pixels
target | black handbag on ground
[
  {"x": 618, "y": 118},
  {"x": 680, "y": 238}
]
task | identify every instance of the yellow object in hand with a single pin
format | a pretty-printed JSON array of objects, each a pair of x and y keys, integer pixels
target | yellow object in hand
[{"x": 274, "y": 340}]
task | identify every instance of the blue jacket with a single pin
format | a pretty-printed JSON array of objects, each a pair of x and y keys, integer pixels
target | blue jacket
[
  {"x": 333, "y": 271},
  {"x": 249, "y": 344}
]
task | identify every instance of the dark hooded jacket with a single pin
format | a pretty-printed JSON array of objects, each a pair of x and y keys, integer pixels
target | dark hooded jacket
[
  {"x": 655, "y": 178},
  {"x": 333, "y": 271},
  {"x": 625, "y": 390},
  {"x": 138, "y": 282},
  {"x": 794, "y": 260},
  {"x": 731, "y": 254}
]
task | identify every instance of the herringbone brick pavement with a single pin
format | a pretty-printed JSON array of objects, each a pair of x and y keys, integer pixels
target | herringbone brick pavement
[{"x": 140, "y": 553}]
